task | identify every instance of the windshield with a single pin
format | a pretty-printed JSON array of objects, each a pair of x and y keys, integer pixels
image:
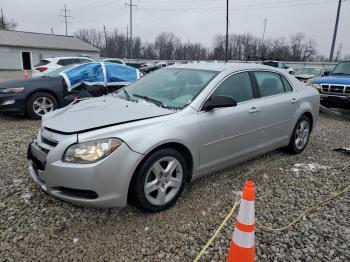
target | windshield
[
  {"x": 342, "y": 68},
  {"x": 308, "y": 71},
  {"x": 56, "y": 72},
  {"x": 170, "y": 88}
]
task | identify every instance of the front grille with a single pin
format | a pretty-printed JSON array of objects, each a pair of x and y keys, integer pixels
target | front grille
[
  {"x": 49, "y": 142},
  {"x": 37, "y": 165},
  {"x": 335, "y": 89}
]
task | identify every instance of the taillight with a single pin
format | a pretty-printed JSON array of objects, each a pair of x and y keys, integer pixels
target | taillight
[{"x": 41, "y": 69}]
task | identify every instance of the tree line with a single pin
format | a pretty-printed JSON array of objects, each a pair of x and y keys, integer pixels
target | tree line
[
  {"x": 167, "y": 46},
  {"x": 6, "y": 24}
]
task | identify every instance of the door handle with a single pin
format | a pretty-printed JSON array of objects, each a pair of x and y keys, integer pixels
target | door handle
[
  {"x": 253, "y": 110},
  {"x": 294, "y": 100}
]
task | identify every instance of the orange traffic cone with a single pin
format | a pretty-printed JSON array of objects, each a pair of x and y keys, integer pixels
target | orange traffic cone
[
  {"x": 242, "y": 248},
  {"x": 26, "y": 75}
]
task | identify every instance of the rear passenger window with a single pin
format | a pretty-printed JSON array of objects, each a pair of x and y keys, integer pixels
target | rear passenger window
[
  {"x": 237, "y": 86},
  {"x": 64, "y": 62},
  {"x": 42, "y": 63},
  {"x": 269, "y": 83},
  {"x": 287, "y": 86}
]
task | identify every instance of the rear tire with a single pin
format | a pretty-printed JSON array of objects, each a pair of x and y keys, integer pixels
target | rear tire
[
  {"x": 39, "y": 104},
  {"x": 159, "y": 181},
  {"x": 300, "y": 136}
]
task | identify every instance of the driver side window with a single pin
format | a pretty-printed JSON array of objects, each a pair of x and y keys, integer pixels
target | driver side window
[{"x": 237, "y": 86}]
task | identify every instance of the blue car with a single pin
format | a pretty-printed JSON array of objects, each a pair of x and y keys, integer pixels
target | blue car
[{"x": 334, "y": 88}]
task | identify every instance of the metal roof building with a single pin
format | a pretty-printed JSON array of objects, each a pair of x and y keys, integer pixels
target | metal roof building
[{"x": 23, "y": 50}]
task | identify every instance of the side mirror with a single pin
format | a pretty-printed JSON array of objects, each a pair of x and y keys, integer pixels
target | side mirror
[
  {"x": 326, "y": 73},
  {"x": 218, "y": 102}
]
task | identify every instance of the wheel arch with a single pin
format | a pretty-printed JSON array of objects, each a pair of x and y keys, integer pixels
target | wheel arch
[
  {"x": 173, "y": 145},
  {"x": 310, "y": 117}
]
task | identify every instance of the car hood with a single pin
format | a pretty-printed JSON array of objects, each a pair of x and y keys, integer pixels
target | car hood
[
  {"x": 32, "y": 82},
  {"x": 100, "y": 112},
  {"x": 333, "y": 79}
]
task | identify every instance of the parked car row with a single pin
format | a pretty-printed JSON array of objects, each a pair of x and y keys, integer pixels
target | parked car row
[{"x": 278, "y": 64}]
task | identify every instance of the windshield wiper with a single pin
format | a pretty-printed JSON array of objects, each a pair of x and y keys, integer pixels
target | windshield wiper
[
  {"x": 149, "y": 99},
  {"x": 126, "y": 93}
]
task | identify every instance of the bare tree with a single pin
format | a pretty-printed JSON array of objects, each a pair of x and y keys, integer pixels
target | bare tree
[
  {"x": 91, "y": 36},
  {"x": 6, "y": 24},
  {"x": 168, "y": 46}
]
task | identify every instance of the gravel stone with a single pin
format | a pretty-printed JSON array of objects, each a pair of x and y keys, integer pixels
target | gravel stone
[{"x": 37, "y": 227}]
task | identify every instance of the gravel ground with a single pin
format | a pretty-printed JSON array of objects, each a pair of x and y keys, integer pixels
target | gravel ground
[{"x": 35, "y": 226}]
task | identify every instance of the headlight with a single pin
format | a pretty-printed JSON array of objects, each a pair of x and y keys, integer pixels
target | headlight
[
  {"x": 317, "y": 86},
  {"x": 92, "y": 151},
  {"x": 12, "y": 90}
]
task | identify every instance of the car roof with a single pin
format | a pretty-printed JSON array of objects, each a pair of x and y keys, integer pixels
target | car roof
[
  {"x": 66, "y": 57},
  {"x": 311, "y": 67},
  {"x": 119, "y": 59},
  {"x": 222, "y": 66}
]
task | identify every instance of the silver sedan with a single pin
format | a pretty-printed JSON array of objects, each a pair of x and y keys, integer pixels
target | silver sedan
[{"x": 142, "y": 144}]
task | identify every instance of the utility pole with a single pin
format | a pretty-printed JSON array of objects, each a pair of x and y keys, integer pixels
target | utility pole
[
  {"x": 335, "y": 32},
  {"x": 66, "y": 17},
  {"x": 263, "y": 36},
  {"x": 51, "y": 31},
  {"x": 130, "y": 6},
  {"x": 127, "y": 40},
  {"x": 226, "y": 49},
  {"x": 2, "y": 20},
  {"x": 105, "y": 33}
]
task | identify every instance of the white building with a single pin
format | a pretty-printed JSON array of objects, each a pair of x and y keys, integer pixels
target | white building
[{"x": 23, "y": 50}]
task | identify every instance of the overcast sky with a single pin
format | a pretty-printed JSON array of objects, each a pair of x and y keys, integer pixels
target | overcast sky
[{"x": 194, "y": 20}]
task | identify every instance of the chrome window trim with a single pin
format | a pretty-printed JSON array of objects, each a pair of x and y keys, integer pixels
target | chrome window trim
[{"x": 254, "y": 99}]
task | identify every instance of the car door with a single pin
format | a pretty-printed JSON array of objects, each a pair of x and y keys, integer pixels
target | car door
[
  {"x": 277, "y": 106},
  {"x": 228, "y": 133}
]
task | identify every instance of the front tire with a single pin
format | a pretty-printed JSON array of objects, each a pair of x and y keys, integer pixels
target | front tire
[
  {"x": 160, "y": 180},
  {"x": 300, "y": 136},
  {"x": 40, "y": 104}
]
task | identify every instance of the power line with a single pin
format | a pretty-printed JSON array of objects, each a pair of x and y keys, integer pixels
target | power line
[
  {"x": 296, "y": 3},
  {"x": 131, "y": 6},
  {"x": 66, "y": 17}
]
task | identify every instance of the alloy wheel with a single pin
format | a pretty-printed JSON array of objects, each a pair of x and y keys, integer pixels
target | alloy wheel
[
  {"x": 163, "y": 181},
  {"x": 42, "y": 105},
  {"x": 302, "y": 134}
]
